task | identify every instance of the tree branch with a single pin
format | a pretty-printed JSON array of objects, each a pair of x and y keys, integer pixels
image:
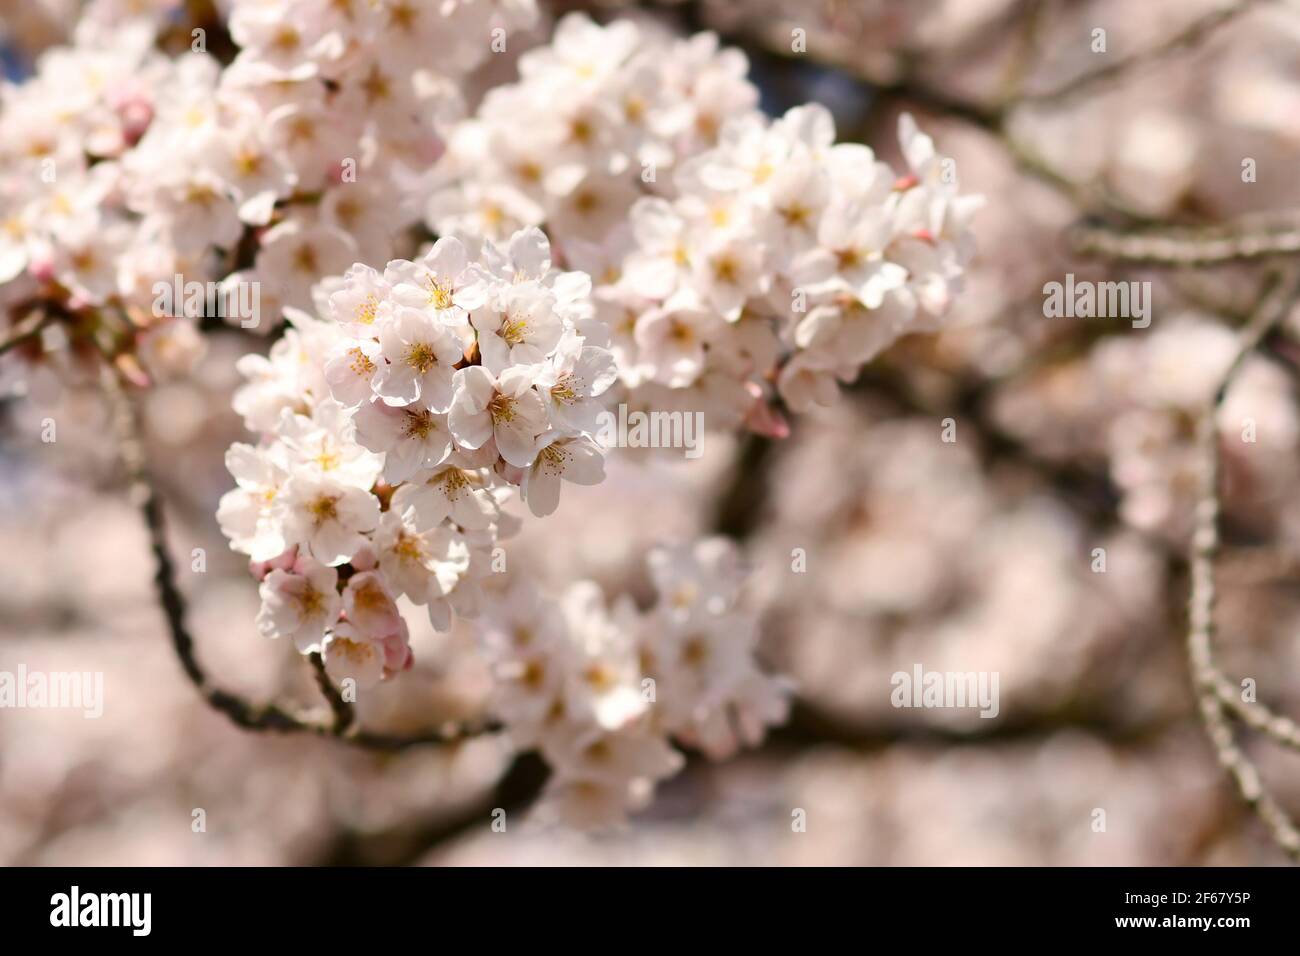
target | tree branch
[
  {"x": 1215, "y": 694},
  {"x": 269, "y": 717},
  {"x": 25, "y": 331},
  {"x": 1191, "y": 35},
  {"x": 343, "y": 711},
  {"x": 1245, "y": 239}
]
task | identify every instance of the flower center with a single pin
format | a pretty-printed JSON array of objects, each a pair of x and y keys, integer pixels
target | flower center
[
  {"x": 534, "y": 675},
  {"x": 328, "y": 459},
  {"x": 420, "y": 357},
  {"x": 324, "y": 508},
  {"x": 796, "y": 215},
  {"x": 563, "y": 391},
  {"x": 286, "y": 39},
  {"x": 419, "y": 424},
  {"x": 408, "y": 548},
  {"x": 600, "y": 677},
  {"x": 365, "y": 313},
  {"x": 454, "y": 483},
  {"x": 370, "y": 597},
  {"x": 847, "y": 258},
  {"x": 695, "y": 652},
  {"x": 311, "y": 601},
  {"x": 439, "y": 294},
  {"x": 248, "y": 163},
  {"x": 361, "y": 363},
  {"x": 305, "y": 259},
  {"x": 513, "y": 330},
  {"x": 553, "y": 458}
]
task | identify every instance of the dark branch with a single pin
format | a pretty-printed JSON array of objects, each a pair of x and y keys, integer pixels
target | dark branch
[{"x": 267, "y": 717}]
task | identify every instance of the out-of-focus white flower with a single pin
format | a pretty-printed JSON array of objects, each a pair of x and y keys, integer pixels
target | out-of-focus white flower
[
  {"x": 349, "y": 655},
  {"x": 603, "y": 691}
]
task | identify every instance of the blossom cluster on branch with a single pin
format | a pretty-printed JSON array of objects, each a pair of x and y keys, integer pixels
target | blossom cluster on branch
[
  {"x": 124, "y": 168},
  {"x": 394, "y": 430},
  {"x": 621, "y": 223},
  {"x": 601, "y": 689},
  {"x": 737, "y": 258}
]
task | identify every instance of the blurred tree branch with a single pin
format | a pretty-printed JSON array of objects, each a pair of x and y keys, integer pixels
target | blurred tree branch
[
  {"x": 1194, "y": 33},
  {"x": 1217, "y": 697},
  {"x": 1248, "y": 238},
  {"x": 773, "y": 39},
  {"x": 28, "y": 329}
]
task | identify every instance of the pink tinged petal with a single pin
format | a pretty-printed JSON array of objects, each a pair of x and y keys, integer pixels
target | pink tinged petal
[
  {"x": 473, "y": 286},
  {"x": 527, "y": 354},
  {"x": 570, "y": 286},
  {"x": 530, "y": 251},
  {"x": 435, "y": 389},
  {"x": 475, "y": 386},
  {"x": 470, "y": 428},
  {"x": 586, "y": 465},
  {"x": 515, "y": 441},
  {"x": 516, "y": 382},
  {"x": 447, "y": 257},
  {"x": 763, "y": 419},
  {"x": 379, "y": 427},
  {"x": 359, "y": 509},
  {"x": 425, "y": 505},
  {"x": 397, "y": 384},
  {"x": 494, "y": 351},
  {"x": 597, "y": 369},
  {"x": 440, "y": 615},
  {"x": 474, "y": 510},
  {"x": 332, "y": 543},
  {"x": 541, "y": 489}
]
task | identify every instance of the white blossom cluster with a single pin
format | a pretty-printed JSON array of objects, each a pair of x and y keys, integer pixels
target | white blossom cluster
[
  {"x": 603, "y": 690},
  {"x": 121, "y": 167},
  {"x": 396, "y": 428},
  {"x": 737, "y": 258},
  {"x": 785, "y": 255},
  {"x": 62, "y": 134},
  {"x": 341, "y": 107},
  {"x": 598, "y": 118}
]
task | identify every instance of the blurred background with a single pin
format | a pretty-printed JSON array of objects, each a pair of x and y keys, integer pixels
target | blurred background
[{"x": 974, "y": 555}]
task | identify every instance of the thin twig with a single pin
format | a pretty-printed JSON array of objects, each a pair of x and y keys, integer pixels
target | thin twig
[
  {"x": 773, "y": 40},
  {"x": 1191, "y": 35},
  {"x": 24, "y": 332},
  {"x": 344, "y": 713},
  {"x": 1214, "y": 692},
  {"x": 1187, "y": 247},
  {"x": 1025, "y": 51}
]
